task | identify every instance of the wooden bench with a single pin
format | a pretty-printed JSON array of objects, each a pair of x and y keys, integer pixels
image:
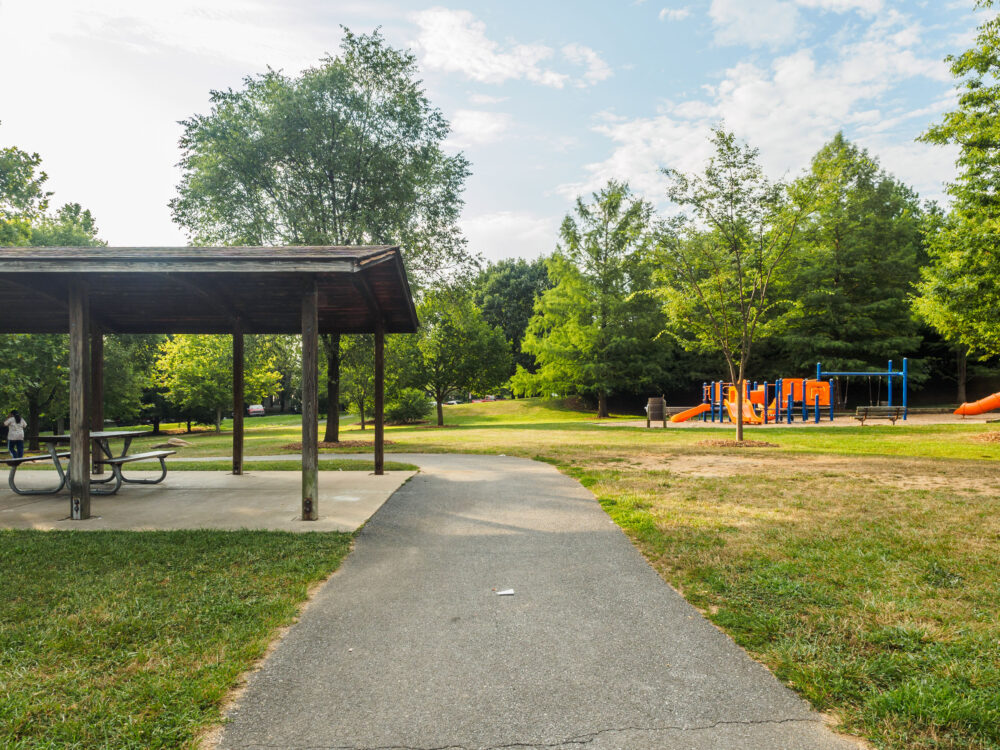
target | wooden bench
[
  {"x": 879, "y": 412},
  {"x": 15, "y": 464},
  {"x": 117, "y": 462}
]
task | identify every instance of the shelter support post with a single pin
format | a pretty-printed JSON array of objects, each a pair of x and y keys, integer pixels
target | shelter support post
[
  {"x": 238, "y": 406},
  {"x": 79, "y": 369},
  {"x": 96, "y": 393},
  {"x": 380, "y": 398},
  {"x": 310, "y": 403}
]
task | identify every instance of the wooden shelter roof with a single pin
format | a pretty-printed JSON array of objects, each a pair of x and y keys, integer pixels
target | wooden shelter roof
[{"x": 206, "y": 289}]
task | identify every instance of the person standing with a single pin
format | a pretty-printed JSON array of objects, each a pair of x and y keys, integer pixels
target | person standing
[{"x": 15, "y": 425}]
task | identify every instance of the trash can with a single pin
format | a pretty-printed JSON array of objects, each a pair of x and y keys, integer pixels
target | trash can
[{"x": 656, "y": 411}]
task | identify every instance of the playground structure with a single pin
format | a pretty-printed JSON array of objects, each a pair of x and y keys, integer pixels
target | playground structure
[
  {"x": 981, "y": 406},
  {"x": 786, "y": 398}
]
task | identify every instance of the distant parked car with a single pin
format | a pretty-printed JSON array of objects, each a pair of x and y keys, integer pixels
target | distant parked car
[
  {"x": 255, "y": 410},
  {"x": 453, "y": 403}
]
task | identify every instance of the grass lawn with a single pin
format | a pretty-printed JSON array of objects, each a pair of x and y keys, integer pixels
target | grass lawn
[
  {"x": 133, "y": 639},
  {"x": 860, "y": 564}
]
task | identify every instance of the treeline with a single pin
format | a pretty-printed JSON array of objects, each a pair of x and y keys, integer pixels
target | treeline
[{"x": 743, "y": 276}]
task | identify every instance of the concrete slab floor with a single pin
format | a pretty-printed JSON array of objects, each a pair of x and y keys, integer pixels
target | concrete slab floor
[{"x": 267, "y": 500}]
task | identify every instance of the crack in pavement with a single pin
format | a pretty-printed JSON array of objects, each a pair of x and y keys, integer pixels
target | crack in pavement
[{"x": 580, "y": 739}]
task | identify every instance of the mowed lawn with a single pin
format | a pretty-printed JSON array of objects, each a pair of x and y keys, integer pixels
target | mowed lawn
[{"x": 859, "y": 564}]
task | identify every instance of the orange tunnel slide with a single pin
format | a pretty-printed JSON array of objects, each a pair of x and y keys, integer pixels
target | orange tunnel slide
[{"x": 982, "y": 405}]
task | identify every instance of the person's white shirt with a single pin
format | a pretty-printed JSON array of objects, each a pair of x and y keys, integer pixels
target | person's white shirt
[{"x": 15, "y": 430}]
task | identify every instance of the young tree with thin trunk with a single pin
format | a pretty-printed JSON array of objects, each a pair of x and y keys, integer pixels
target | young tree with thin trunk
[{"x": 719, "y": 261}]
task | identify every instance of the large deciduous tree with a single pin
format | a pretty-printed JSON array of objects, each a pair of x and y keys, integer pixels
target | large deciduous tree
[
  {"x": 506, "y": 292},
  {"x": 197, "y": 372},
  {"x": 958, "y": 292},
  {"x": 456, "y": 349},
  {"x": 349, "y": 152},
  {"x": 719, "y": 260},
  {"x": 594, "y": 331}
]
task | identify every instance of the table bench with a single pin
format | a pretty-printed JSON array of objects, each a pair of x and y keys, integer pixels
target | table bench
[
  {"x": 879, "y": 412},
  {"x": 15, "y": 464},
  {"x": 116, "y": 463}
]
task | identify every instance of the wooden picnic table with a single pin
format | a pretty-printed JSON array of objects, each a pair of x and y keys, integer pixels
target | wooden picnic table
[{"x": 103, "y": 440}]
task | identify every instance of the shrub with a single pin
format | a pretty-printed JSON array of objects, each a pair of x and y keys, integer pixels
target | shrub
[{"x": 409, "y": 405}]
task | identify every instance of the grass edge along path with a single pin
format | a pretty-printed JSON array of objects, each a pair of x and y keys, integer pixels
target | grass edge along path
[
  {"x": 882, "y": 618},
  {"x": 135, "y": 639}
]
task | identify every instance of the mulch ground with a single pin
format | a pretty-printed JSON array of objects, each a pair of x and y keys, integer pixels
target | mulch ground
[{"x": 737, "y": 444}]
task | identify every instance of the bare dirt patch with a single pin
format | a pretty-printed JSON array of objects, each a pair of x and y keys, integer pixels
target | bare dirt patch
[
  {"x": 737, "y": 444},
  {"x": 904, "y": 473},
  {"x": 341, "y": 444},
  {"x": 987, "y": 437}
]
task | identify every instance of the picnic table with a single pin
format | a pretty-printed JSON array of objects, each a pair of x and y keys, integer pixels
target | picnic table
[{"x": 103, "y": 440}]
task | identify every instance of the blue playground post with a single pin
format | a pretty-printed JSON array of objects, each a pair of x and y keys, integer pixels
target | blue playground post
[
  {"x": 777, "y": 400},
  {"x": 765, "y": 402},
  {"x": 805, "y": 405},
  {"x": 831, "y": 399},
  {"x": 889, "y": 380},
  {"x": 905, "y": 405},
  {"x": 816, "y": 408},
  {"x": 791, "y": 404}
]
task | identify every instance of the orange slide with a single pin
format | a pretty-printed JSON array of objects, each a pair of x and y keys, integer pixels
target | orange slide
[
  {"x": 685, "y": 415},
  {"x": 750, "y": 415},
  {"x": 982, "y": 405}
]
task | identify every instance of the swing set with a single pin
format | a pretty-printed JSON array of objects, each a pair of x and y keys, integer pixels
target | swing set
[{"x": 888, "y": 374}]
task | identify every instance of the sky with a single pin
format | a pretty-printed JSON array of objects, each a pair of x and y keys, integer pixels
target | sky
[{"x": 548, "y": 100}]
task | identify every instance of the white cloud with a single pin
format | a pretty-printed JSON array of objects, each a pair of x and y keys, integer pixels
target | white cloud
[
  {"x": 597, "y": 69},
  {"x": 788, "y": 109},
  {"x": 502, "y": 234},
  {"x": 868, "y": 7},
  {"x": 454, "y": 41},
  {"x": 774, "y": 23},
  {"x": 473, "y": 127},
  {"x": 674, "y": 14},
  {"x": 485, "y": 99},
  {"x": 761, "y": 23}
]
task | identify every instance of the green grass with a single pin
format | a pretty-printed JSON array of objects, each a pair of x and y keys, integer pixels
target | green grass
[
  {"x": 133, "y": 639},
  {"x": 859, "y": 564}
]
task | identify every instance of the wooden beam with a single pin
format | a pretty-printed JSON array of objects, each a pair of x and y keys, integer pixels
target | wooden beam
[
  {"x": 238, "y": 406},
  {"x": 380, "y": 398},
  {"x": 310, "y": 402},
  {"x": 79, "y": 366},
  {"x": 96, "y": 393}
]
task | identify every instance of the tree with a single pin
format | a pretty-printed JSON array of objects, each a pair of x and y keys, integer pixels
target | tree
[
  {"x": 958, "y": 290},
  {"x": 593, "y": 332},
  {"x": 349, "y": 152},
  {"x": 506, "y": 292},
  {"x": 357, "y": 363},
  {"x": 197, "y": 372},
  {"x": 456, "y": 349},
  {"x": 719, "y": 261},
  {"x": 853, "y": 273},
  {"x": 23, "y": 199}
]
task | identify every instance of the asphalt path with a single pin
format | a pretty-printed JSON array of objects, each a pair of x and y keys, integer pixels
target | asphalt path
[{"x": 410, "y": 644}]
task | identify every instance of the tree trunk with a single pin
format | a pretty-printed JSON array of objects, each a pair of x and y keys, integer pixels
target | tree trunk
[
  {"x": 440, "y": 412},
  {"x": 218, "y": 419},
  {"x": 331, "y": 343},
  {"x": 739, "y": 411},
  {"x": 156, "y": 425},
  {"x": 34, "y": 412},
  {"x": 189, "y": 425},
  {"x": 602, "y": 405},
  {"x": 361, "y": 412},
  {"x": 963, "y": 375}
]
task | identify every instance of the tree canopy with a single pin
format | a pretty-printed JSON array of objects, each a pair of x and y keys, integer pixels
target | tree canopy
[{"x": 593, "y": 332}]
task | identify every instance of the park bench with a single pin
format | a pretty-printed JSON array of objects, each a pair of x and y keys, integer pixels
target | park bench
[
  {"x": 117, "y": 462},
  {"x": 879, "y": 412},
  {"x": 16, "y": 463}
]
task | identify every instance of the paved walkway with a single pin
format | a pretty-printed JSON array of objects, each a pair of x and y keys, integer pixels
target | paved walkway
[{"x": 409, "y": 646}]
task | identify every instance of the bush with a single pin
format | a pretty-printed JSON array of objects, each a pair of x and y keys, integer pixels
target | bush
[{"x": 409, "y": 405}]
